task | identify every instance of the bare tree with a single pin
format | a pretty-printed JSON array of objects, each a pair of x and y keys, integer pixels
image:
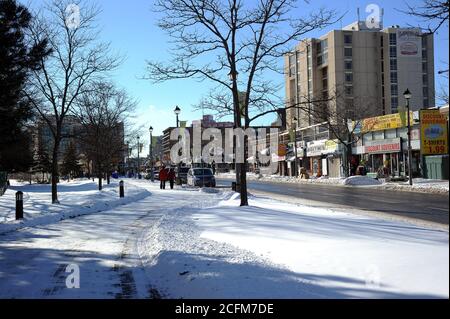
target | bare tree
[
  {"x": 343, "y": 120},
  {"x": 434, "y": 13},
  {"x": 237, "y": 46},
  {"x": 76, "y": 59},
  {"x": 103, "y": 111}
]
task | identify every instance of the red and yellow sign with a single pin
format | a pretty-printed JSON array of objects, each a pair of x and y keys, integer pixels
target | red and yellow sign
[
  {"x": 385, "y": 122},
  {"x": 433, "y": 132}
]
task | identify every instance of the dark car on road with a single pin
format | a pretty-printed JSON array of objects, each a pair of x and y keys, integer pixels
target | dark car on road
[
  {"x": 182, "y": 173},
  {"x": 202, "y": 177}
]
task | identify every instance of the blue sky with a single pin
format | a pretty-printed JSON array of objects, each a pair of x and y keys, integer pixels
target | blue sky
[{"x": 131, "y": 28}]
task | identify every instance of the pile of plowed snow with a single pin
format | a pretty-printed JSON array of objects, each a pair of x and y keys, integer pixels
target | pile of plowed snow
[{"x": 360, "y": 180}]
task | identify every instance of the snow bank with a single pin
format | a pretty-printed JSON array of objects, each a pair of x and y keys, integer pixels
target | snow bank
[
  {"x": 360, "y": 181},
  {"x": 76, "y": 198},
  {"x": 273, "y": 249},
  {"x": 339, "y": 255},
  {"x": 421, "y": 185}
]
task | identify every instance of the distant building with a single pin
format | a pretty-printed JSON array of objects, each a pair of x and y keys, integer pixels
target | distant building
[
  {"x": 370, "y": 66},
  {"x": 71, "y": 131}
]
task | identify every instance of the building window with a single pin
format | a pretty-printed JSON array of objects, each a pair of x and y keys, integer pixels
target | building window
[
  {"x": 348, "y": 77},
  {"x": 424, "y": 67},
  {"x": 394, "y": 89},
  {"x": 348, "y": 52},
  {"x": 393, "y": 52},
  {"x": 424, "y": 42},
  {"x": 394, "y": 103},
  {"x": 393, "y": 64},
  {"x": 348, "y": 90},
  {"x": 425, "y": 79},
  {"x": 424, "y": 54},
  {"x": 319, "y": 60},
  {"x": 347, "y": 38},
  {"x": 392, "y": 39},
  {"x": 394, "y": 78},
  {"x": 324, "y": 73},
  {"x": 425, "y": 103},
  {"x": 425, "y": 91},
  {"x": 348, "y": 65}
]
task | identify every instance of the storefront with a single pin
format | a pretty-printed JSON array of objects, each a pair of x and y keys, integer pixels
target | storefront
[{"x": 325, "y": 158}]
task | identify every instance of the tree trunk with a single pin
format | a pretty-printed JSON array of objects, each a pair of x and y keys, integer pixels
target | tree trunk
[
  {"x": 349, "y": 159},
  {"x": 243, "y": 175},
  {"x": 108, "y": 181},
  {"x": 55, "y": 172},
  {"x": 100, "y": 179},
  {"x": 243, "y": 185}
]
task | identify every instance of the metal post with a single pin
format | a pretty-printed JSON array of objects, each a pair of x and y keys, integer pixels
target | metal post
[
  {"x": 19, "y": 205},
  {"x": 139, "y": 164},
  {"x": 409, "y": 145},
  {"x": 121, "y": 190},
  {"x": 151, "y": 158}
]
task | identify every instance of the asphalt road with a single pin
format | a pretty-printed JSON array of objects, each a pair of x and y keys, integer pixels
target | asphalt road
[{"x": 426, "y": 207}]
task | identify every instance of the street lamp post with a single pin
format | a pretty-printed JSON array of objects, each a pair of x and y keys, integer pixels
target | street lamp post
[
  {"x": 407, "y": 94},
  {"x": 128, "y": 158},
  {"x": 139, "y": 163},
  {"x": 295, "y": 147},
  {"x": 177, "y": 112},
  {"x": 151, "y": 154}
]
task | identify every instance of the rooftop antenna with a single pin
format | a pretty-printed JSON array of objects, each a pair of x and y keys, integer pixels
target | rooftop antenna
[
  {"x": 381, "y": 18},
  {"x": 357, "y": 11}
]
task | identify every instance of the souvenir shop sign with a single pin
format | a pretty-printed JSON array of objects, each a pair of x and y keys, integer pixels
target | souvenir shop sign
[
  {"x": 433, "y": 132},
  {"x": 383, "y": 146}
]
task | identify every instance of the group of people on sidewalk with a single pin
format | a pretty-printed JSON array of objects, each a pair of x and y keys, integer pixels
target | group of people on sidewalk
[{"x": 166, "y": 174}]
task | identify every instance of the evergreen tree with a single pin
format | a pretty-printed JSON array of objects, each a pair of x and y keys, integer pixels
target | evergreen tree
[
  {"x": 42, "y": 161},
  {"x": 71, "y": 166},
  {"x": 17, "y": 59}
]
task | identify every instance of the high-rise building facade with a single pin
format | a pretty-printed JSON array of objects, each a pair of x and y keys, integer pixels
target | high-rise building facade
[{"x": 365, "y": 71}]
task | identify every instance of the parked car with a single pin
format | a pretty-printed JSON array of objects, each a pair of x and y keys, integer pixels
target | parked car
[
  {"x": 202, "y": 177},
  {"x": 148, "y": 175},
  {"x": 181, "y": 174}
]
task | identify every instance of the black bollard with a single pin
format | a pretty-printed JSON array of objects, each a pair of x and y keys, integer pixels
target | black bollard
[
  {"x": 19, "y": 205},
  {"x": 121, "y": 190}
]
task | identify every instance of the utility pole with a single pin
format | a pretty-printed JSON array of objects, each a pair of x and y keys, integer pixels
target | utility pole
[
  {"x": 139, "y": 163},
  {"x": 408, "y": 96},
  {"x": 151, "y": 154}
]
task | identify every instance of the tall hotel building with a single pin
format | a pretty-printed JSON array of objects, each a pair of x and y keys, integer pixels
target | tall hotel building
[{"x": 368, "y": 68}]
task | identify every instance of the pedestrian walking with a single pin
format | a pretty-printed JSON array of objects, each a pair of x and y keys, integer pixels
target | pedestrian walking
[
  {"x": 162, "y": 177},
  {"x": 171, "y": 177}
]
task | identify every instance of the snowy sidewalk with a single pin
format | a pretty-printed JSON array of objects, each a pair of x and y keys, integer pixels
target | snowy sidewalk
[
  {"x": 76, "y": 198},
  {"x": 102, "y": 244},
  {"x": 188, "y": 243}
]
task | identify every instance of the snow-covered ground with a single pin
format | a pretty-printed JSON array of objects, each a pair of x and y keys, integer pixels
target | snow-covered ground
[
  {"x": 186, "y": 243},
  {"x": 277, "y": 250},
  {"x": 419, "y": 184},
  {"x": 75, "y": 197},
  {"x": 34, "y": 260}
]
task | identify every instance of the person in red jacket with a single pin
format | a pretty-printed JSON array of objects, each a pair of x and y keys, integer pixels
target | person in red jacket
[
  {"x": 163, "y": 177},
  {"x": 171, "y": 177}
]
